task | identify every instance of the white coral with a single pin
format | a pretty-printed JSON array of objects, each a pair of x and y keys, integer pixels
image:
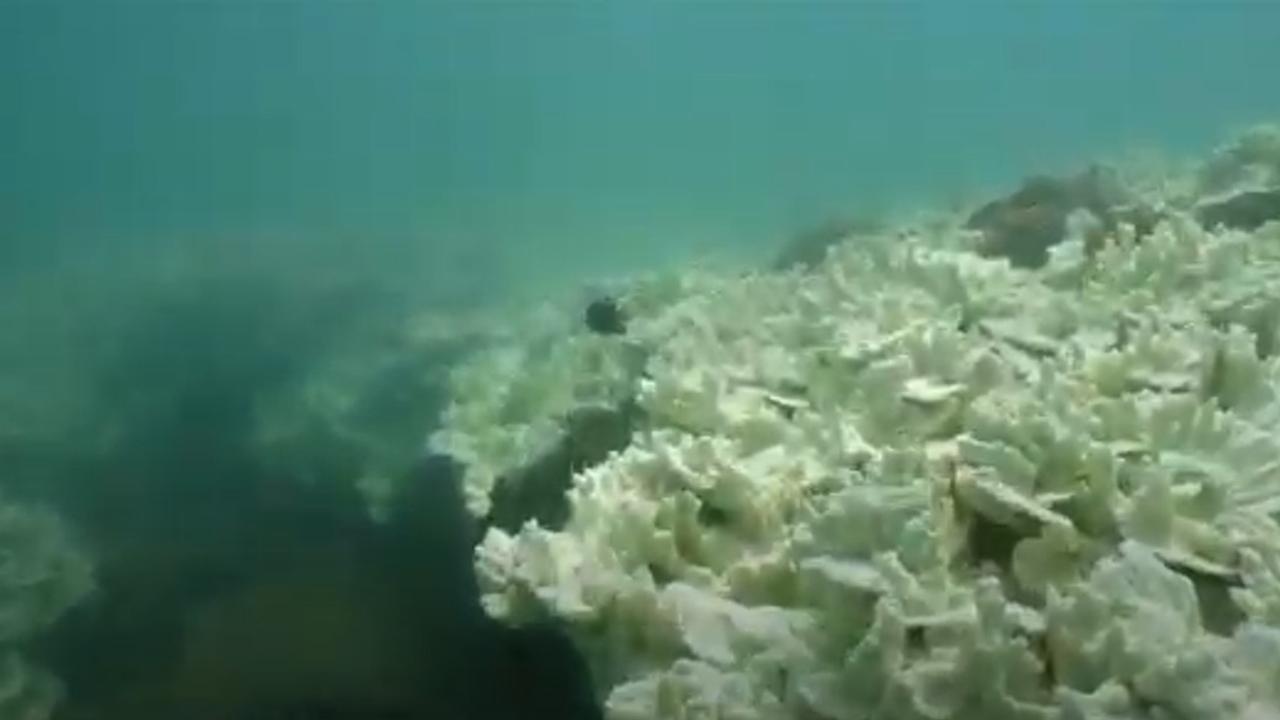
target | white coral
[{"x": 914, "y": 483}]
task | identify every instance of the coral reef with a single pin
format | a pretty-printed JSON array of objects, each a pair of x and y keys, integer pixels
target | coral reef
[
  {"x": 1031, "y": 482},
  {"x": 511, "y": 406},
  {"x": 237, "y": 462},
  {"x": 1251, "y": 159},
  {"x": 42, "y": 574},
  {"x": 1239, "y": 185}
]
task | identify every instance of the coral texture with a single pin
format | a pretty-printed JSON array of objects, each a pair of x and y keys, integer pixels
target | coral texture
[
  {"x": 42, "y": 574},
  {"x": 914, "y": 482}
]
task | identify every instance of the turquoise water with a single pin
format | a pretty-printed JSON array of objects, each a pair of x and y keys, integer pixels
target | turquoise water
[
  {"x": 598, "y": 134},
  {"x": 217, "y": 215}
]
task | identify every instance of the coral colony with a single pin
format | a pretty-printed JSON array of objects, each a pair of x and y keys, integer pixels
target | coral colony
[{"x": 936, "y": 474}]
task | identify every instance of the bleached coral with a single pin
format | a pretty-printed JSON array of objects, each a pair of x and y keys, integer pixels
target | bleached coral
[
  {"x": 915, "y": 483},
  {"x": 1251, "y": 158},
  {"x": 42, "y": 574},
  {"x": 511, "y": 401}
]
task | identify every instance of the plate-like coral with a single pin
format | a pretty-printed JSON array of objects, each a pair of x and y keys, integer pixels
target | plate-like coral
[{"x": 913, "y": 482}]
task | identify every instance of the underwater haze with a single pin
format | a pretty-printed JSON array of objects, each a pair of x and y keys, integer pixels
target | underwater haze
[
  {"x": 253, "y": 254},
  {"x": 536, "y": 140}
]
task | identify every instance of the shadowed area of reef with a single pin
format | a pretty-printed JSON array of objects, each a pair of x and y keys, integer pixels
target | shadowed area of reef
[{"x": 232, "y": 587}]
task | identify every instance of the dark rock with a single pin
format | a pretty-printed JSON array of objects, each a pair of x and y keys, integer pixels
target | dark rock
[
  {"x": 333, "y": 622},
  {"x": 1022, "y": 231},
  {"x": 537, "y": 491},
  {"x": 1143, "y": 218},
  {"x": 1024, "y": 225},
  {"x": 1246, "y": 210},
  {"x": 545, "y": 677},
  {"x": 605, "y": 317}
]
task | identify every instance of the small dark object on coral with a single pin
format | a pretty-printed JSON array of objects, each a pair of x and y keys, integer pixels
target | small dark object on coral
[
  {"x": 1246, "y": 210},
  {"x": 605, "y": 317}
]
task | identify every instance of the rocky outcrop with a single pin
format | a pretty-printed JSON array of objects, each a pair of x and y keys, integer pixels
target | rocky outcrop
[
  {"x": 538, "y": 490},
  {"x": 1243, "y": 210},
  {"x": 1023, "y": 225}
]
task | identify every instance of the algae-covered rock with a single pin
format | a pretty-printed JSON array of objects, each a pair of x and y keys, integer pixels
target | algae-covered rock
[
  {"x": 1025, "y": 224},
  {"x": 1244, "y": 210}
]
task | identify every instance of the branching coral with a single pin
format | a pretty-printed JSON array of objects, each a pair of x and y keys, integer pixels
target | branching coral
[{"x": 916, "y": 483}]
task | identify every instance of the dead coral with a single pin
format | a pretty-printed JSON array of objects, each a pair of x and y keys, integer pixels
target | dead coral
[
  {"x": 1239, "y": 185},
  {"x": 1251, "y": 160}
]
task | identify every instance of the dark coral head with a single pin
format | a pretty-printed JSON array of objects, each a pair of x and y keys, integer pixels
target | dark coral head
[{"x": 605, "y": 317}]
